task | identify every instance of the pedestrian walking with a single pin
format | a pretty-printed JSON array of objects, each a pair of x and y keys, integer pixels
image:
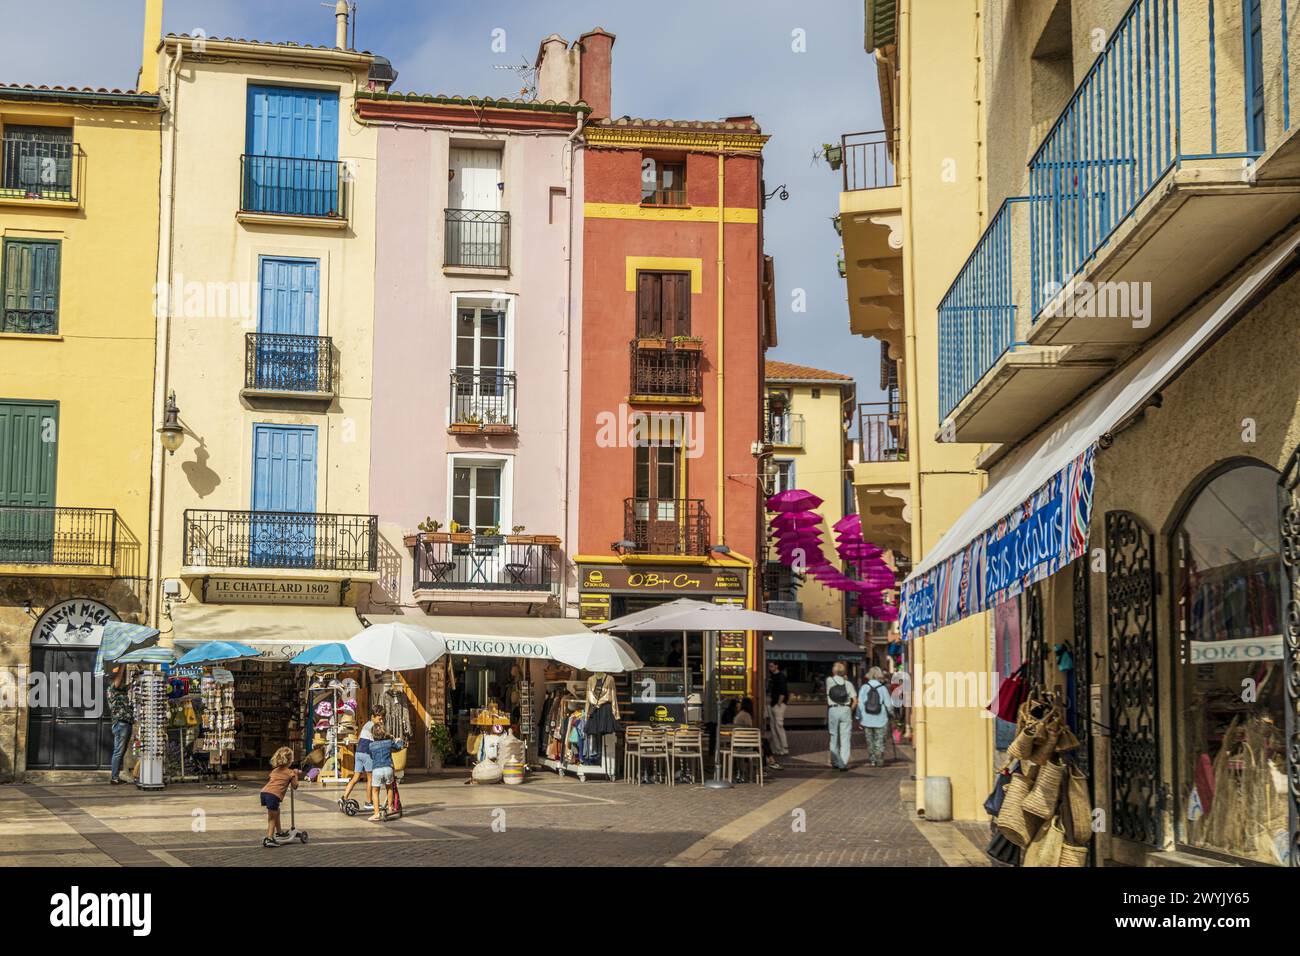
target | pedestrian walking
[
  {"x": 120, "y": 713},
  {"x": 778, "y": 695},
  {"x": 361, "y": 765},
  {"x": 875, "y": 707},
  {"x": 381, "y": 772},
  {"x": 840, "y": 701},
  {"x": 283, "y": 776}
]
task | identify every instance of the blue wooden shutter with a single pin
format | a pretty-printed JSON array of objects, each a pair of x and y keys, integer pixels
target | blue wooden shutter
[
  {"x": 292, "y": 141},
  {"x": 289, "y": 306},
  {"x": 284, "y": 482},
  {"x": 31, "y": 286}
]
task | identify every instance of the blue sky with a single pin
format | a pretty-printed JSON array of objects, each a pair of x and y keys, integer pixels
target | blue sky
[{"x": 681, "y": 59}]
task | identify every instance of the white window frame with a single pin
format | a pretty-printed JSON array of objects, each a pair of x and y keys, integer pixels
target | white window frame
[
  {"x": 478, "y": 459},
  {"x": 483, "y": 299}
]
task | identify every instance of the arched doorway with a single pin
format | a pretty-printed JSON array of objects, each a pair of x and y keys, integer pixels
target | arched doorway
[
  {"x": 68, "y": 726},
  {"x": 1230, "y": 682}
]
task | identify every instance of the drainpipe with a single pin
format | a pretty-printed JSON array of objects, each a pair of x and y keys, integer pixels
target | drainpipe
[
  {"x": 722, "y": 350},
  {"x": 570, "y": 540},
  {"x": 162, "y": 351}
]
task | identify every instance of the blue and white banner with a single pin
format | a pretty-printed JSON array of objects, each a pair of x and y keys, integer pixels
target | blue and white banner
[{"x": 1047, "y": 531}]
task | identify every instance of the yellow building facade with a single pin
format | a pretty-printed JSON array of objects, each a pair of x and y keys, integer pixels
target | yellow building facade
[
  {"x": 78, "y": 222},
  {"x": 807, "y": 412},
  {"x": 910, "y": 208}
]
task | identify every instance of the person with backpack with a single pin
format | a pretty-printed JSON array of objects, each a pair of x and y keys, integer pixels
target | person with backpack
[
  {"x": 839, "y": 715},
  {"x": 875, "y": 707}
]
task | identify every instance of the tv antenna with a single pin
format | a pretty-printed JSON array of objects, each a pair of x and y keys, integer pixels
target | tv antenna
[{"x": 527, "y": 77}]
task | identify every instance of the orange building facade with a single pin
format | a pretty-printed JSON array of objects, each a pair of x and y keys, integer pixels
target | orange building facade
[{"x": 676, "y": 316}]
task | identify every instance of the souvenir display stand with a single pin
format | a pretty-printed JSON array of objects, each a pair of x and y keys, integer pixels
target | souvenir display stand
[
  {"x": 217, "y": 690},
  {"x": 149, "y": 697},
  {"x": 568, "y": 749},
  {"x": 526, "y": 718},
  {"x": 332, "y": 706}
]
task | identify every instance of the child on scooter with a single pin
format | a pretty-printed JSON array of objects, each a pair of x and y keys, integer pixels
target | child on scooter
[
  {"x": 382, "y": 773},
  {"x": 282, "y": 778}
]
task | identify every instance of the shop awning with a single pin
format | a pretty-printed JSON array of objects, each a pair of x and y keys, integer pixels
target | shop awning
[
  {"x": 487, "y": 636},
  {"x": 810, "y": 646},
  {"x": 278, "y": 631},
  {"x": 1033, "y": 520}
]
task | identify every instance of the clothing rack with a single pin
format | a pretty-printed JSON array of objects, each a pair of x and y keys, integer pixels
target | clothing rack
[{"x": 605, "y": 768}]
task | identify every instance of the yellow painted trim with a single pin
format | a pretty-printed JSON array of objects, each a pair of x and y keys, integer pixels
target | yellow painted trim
[
  {"x": 635, "y": 211},
  {"x": 40, "y": 203},
  {"x": 311, "y": 222},
  {"x": 674, "y": 138},
  {"x": 659, "y": 559},
  {"x": 666, "y": 264},
  {"x": 664, "y": 399},
  {"x": 29, "y": 337}
]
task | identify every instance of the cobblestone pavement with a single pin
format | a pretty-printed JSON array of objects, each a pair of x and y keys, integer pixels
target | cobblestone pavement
[{"x": 805, "y": 815}]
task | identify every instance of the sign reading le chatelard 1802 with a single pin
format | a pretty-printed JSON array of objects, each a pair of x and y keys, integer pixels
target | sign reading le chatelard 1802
[{"x": 266, "y": 591}]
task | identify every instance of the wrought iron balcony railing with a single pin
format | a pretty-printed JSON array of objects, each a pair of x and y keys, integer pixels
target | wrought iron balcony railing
[
  {"x": 483, "y": 399},
  {"x": 485, "y": 564},
  {"x": 1174, "y": 84},
  {"x": 477, "y": 239},
  {"x": 31, "y": 321},
  {"x": 288, "y": 186},
  {"x": 787, "y": 431},
  {"x": 37, "y": 169},
  {"x": 666, "y": 525},
  {"x": 281, "y": 539},
  {"x": 289, "y": 363},
  {"x": 882, "y": 428},
  {"x": 790, "y": 609},
  {"x": 82, "y": 537},
  {"x": 868, "y": 159},
  {"x": 662, "y": 370},
  {"x": 977, "y": 315}
]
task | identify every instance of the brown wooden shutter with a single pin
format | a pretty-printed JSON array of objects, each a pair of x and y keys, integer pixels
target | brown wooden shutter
[
  {"x": 648, "y": 295},
  {"x": 677, "y": 304}
]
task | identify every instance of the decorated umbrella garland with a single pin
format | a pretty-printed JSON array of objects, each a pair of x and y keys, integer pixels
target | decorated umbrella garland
[{"x": 796, "y": 527}]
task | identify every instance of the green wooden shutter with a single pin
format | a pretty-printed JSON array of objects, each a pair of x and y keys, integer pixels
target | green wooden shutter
[
  {"x": 28, "y": 463},
  {"x": 31, "y": 286}
]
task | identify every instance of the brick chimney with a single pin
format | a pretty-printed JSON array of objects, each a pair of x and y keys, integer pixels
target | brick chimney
[{"x": 595, "y": 59}]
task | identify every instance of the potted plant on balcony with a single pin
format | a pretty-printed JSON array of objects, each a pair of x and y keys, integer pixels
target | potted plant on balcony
[
  {"x": 834, "y": 155},
  {"x": 491, "y": 537},
  {"x": 688, "y": 343},
  {"x": 460, "y": 535},
  {"x": 440, "y": 745},
  {"x": 547, "y": 539},
  {"x": 839, "y": 264},
  {"x": 495, "y": 423},
  {"x": 517, "y": 536},
  {"x": 470, "y": 424},
  {"x": 431, "y": 530},
  {"x": 651, "y": 342}
]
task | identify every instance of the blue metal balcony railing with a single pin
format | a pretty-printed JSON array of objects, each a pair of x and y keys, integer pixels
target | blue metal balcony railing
[
  {"x": 977, "y": 315},
  {"x": 1178, "y": 81}
]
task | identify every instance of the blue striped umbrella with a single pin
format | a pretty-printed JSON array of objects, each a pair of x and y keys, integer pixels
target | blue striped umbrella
[
  {"x": 333, "y": 654},
  {"x": 214, "y": 651},
  {"x": 119, "y": 638}
]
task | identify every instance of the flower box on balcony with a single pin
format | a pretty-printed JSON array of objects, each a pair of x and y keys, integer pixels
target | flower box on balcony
[
  {"x": 464, "y": 428},
  {"x": 498, "y": 428},
  {"x": 546, "y": 539},
  {"x": 489, "y": 540},
  {"x": 428, "y": 537},
  {"x": 521, "y": 539},
  {"x": 651, "y": 343},
  {"x": 683, "y": 344},
  {"x": 461, "y": 537}
]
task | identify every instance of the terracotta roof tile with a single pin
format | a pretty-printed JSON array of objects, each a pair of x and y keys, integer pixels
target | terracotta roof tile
[
  {"x": 284, "y": 43},
  {"x": 480, "y": 101},
  {"x": 737, "y": 124},
  {"x": 42, "y": 88},
  {"x": 782, "y": 370}
]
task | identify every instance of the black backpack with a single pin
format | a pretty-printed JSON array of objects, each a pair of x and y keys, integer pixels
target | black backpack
[
  {"x": 872, "y": 704},
  {"x": 838, "y": 693}
]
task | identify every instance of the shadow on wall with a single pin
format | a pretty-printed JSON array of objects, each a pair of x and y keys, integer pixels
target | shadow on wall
[{"x": 202, "y": 479}]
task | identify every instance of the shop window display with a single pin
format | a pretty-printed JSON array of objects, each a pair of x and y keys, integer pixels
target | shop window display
[{"x": 1232, "y": 761}]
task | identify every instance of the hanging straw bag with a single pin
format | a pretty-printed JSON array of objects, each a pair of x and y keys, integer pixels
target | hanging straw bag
[
  {"x": 1076, "y": 796},
  {"x": 1011, "y": 820},
  {"x": 1027, "y": 728},
  {"x": 1045, "y": 850},
  {"x": 1042, "y": 799}
]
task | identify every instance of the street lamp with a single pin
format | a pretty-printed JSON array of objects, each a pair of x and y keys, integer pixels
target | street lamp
[{"x": 171, "y": 432}]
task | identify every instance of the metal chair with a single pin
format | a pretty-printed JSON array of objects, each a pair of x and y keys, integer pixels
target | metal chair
[
  {"x": 631, "y": 749},
  {"x": 652, "y": 748},
  {"x": 746, "y": 744},
  {"x": 687, "y": 747}
]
